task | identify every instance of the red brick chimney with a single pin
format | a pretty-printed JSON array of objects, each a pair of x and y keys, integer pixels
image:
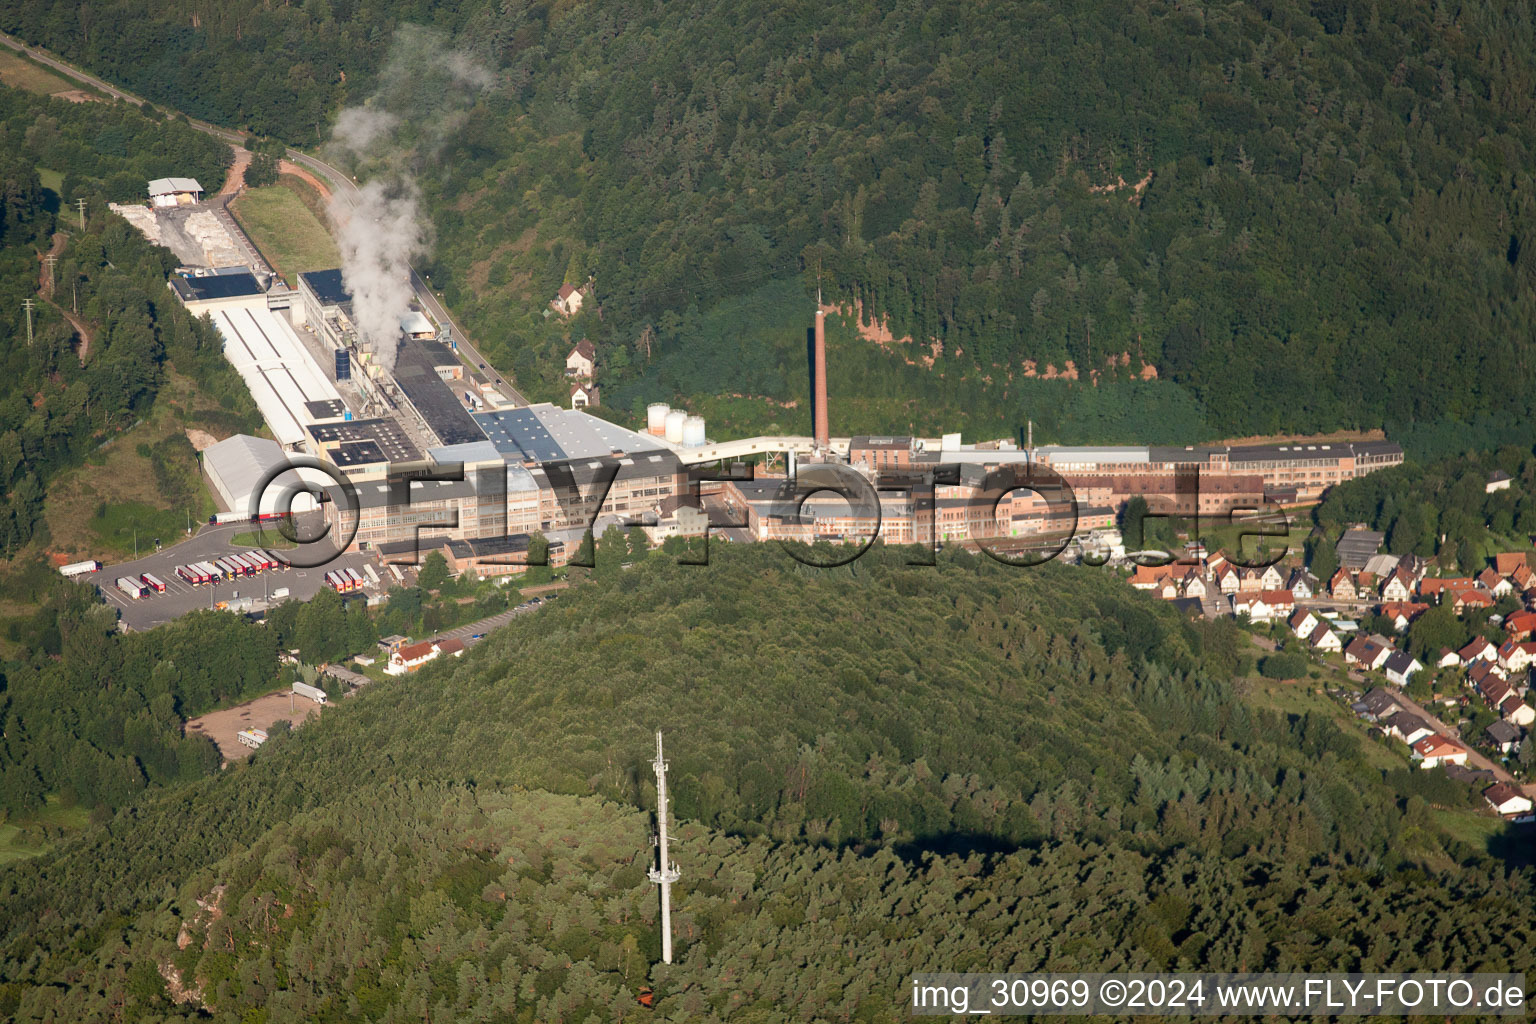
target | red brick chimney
[{"x": 822, "y": 438}]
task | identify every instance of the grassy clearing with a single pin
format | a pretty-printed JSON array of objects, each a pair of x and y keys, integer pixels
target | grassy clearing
[
  {"x": 94, "y": 509},
  {"x": 19, "y": 73},
  {"x": 28, "y": 837},
  {"x": 51, "y": 180},
  {"x": 285, "y": 228},
  {"x": 1302, "y": 697}
]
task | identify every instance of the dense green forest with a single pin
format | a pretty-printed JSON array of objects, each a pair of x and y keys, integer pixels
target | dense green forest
[
  {"x": 972, "y": 767},
  {"x": 1305, "y": 215},
  {"x": 1438, "y": 508},
  {"x": 93, "y": 716}
]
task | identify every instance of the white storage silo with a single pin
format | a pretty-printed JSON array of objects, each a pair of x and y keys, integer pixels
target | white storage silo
[
  {"x": 656, "y": 418},
  {"x": 674, "y": 425},
  {"x": 693, "y": 431}
]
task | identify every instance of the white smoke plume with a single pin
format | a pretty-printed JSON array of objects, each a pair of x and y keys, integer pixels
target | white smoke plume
[
  {"x": 424, "y": 91},
  {"x": 384, "y": 231}
]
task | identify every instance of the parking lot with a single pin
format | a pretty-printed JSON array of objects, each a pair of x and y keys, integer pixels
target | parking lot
[{"x": 154, "y": 609}]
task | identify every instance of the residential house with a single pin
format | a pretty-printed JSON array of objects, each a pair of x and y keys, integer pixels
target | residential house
[
  {"x": 453, "y": 647},
  {"x": 567, "y": 301},
  {"x": 1303, "y": 584},
  {"x": 1400, "y": 667},
  {"x": 1438, "y": 751},
  {"x": 1271, "y": 578},
  {"x": 1281, "y": 602},
  {"x": 1507, "y": 562},
  {"x": 1253, "y": 605},
  {"x": 1195, "y": 585},
  {"x": 1324, "y": 639},
  {"x": 1495, "y": 584},
  {"x": 1520, "y": 625},
  {"x": 1437, "y": 586},
  {"x": 1508, "y": 801},
  {"x": 1250, "y": 581},
  {"x": 1470, "y": 600},
  {"x": 1517, "y": 657},
  {"x": 1406, "y": 726},
  {"x": 1378, "y": 703},
  {"x": 582, "y": 360},
  {"x": 1402, "y": 613},
  {"x": 1480, "y": 649},
  {"x": 1522, "y": 577},
  {"x": 584, "y": 395},
  {"x": 1415, "y": 566},
  {"x": 1368, "y": 652},
  {"x": 1493, "y": 688},
  {"x": 1398, "y": 587},
  {"x": 1504, "y": 737},
  {"x": 1228, "y": 580},
  {"x": 1517, "y": 712},
  {"x": 1342, "y": 586},
  {"x": 410, "y": 657},
  {"x": 1302, "y": 622},
  {"x": 1151, "y": 577},
  {"x": 1447, "y": 658},
  {"x": 1498, "y": 480}
]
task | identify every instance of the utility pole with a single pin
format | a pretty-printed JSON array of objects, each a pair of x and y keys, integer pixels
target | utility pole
[
  {"x": 52, "y": 262},
  {"x": 664, "y": 874},
  {"x": 80, "y": 205},
  {"x": 26, "y": 304}
]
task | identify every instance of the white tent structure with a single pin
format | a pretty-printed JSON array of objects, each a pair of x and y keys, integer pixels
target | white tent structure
[
  {"x": 174, "y": 191},
  {"x": 277, "y": 369},
  {"x": 238, "y": 465}
]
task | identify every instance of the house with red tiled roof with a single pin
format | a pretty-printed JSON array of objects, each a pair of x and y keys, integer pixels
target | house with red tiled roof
[
  {"x": 1342, "y": 586},
  {"x": 1505, "y": 563},
  {"x": 1517, "y": 656},
  {"x": 1495, "y": 584},
  {"x": 1150, "y": 577},
  {"x": 1520, "y": 625},
  {"x": 1437, "y": 751},
  {"x": 1461, "y": 600},
  {"x": 567, "y": 301},
  {"x": 1402, "y": 613},
  {"x": 1436, "y": 586}
]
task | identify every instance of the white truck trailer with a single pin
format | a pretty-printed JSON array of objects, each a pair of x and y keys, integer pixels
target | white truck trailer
[{"x": 314, "y": 693}]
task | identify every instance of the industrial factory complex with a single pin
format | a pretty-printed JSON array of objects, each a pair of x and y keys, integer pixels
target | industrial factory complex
[{"x": 437, "y": 456}]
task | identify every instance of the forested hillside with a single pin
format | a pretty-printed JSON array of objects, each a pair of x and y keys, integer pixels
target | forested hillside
[
  {"x": 71, "y": 389},
  {"x": 878, "y": 769},
  {"x": 1304, "y": 215}
]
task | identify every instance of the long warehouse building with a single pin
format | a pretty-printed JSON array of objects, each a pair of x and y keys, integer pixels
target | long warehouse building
[{"x": 280, "y": 374}]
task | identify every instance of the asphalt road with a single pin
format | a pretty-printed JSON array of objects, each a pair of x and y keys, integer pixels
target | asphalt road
[
  {"x": 211, "y": 542},
  {"x": 342, "y": 184}
]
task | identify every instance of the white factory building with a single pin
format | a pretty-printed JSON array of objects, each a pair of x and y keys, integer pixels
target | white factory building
[
  {"x": 278, "y": 371},
  {"x": 237, "y": 466}
]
